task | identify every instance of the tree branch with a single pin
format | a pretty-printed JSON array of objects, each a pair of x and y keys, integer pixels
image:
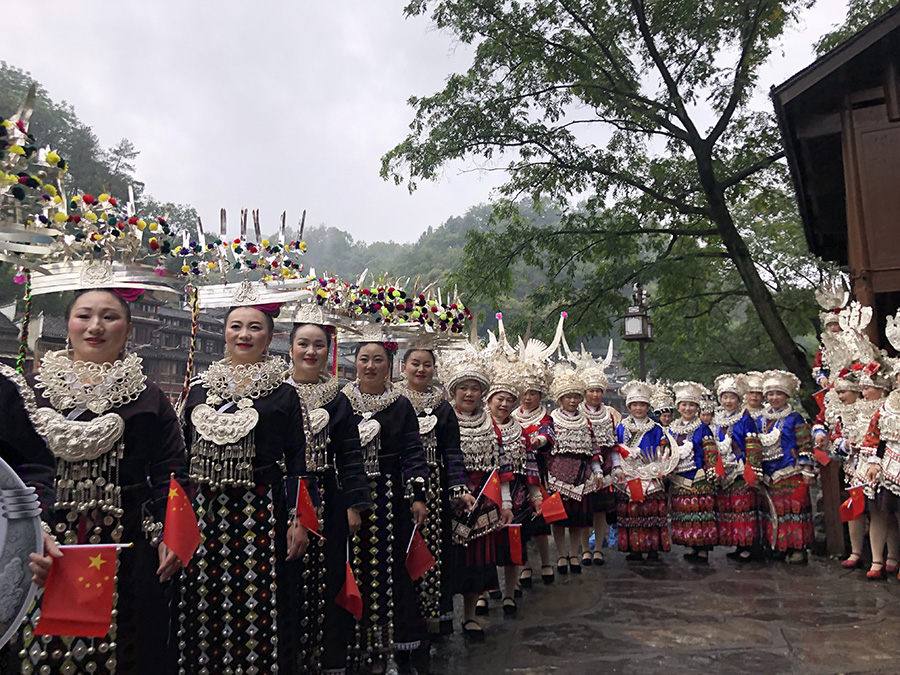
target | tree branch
[{"x": 764, "y": 163}]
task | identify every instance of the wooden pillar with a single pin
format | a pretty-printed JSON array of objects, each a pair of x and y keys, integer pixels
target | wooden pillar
[
  {"x": 831, "y": 500},
  {"x": 857, "y": 243}
]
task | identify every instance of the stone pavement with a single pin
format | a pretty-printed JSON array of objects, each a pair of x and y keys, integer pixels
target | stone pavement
[{"x": 675, "y": 617}]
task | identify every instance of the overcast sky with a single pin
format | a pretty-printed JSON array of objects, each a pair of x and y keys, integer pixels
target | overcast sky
[{"x": 273, "y": 105}]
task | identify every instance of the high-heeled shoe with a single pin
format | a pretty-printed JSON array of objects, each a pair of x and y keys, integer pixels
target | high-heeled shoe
[{"x": 875, "y": 574}]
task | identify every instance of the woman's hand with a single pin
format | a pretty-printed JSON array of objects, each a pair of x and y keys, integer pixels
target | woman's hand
[
  {"x": 40, "y": 564},
  {"x": 872, "y": 473},
  {"x": 506, "y": 517},
  {"x": 169, "y": 563},
  {"x": 619, "y": 475},
  {"x": 354, "y": 520},
  {"x": 536, "y": 505},
  {"x": 297, "y": 540},
  {"x": 820, "y": 440},
  {"x": 419, "y": 512},
  {"x": 469, "y": 501},
  {"x": 538, "y": 441}
]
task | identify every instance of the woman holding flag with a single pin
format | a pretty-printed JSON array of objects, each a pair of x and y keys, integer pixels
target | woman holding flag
[
  {"x": 788, "y": 466},
  {"x": 394, "y": 460},
  {"x": 738, "y": 452},
  {"x": 576, "y": 466},
  {"x": 692, "y": 483},
  {"x": 645, "y": 459},
  {"x": 466, "y": 377},
  {"x": 117, "y": 441},
  {"x": 245, "y": 430},
  {"x": 447, "y": 487},
  {"x": 520, "y": 491},
  {"x": 335, "y": 463}
]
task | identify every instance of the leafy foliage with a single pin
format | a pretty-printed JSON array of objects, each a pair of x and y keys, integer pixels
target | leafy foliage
[
  {"x": 641, "y": 109},
  {"x": 860, "y": 13}
]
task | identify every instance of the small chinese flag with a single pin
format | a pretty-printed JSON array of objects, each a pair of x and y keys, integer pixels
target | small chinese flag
[
  {"x": 491, "y": 488},
  {"x": 623, "y": 451},
  {"x": 181, "y": 533},
  {"x": 418, "y": 558},
  {"x": 636, "y": 490},
  {"x": 515, "y": 543},
  {"x": 799, "y": 492},
  {"x": 552, "y": 508},
  {"x": 819, "y": 397},
  {"x": 305, "y": 509},
  {"x": 749, "y": 475},
  {"x": 78, "y": 598},
  {"x": 855, "y": 506},
  {"x": 822, "y": 457},
  {"x": 349, "y": 597},
  {"x": 720, "y": 467}
]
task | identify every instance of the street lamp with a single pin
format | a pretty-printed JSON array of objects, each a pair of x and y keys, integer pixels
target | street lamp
[{"x": 638, "y": 327}]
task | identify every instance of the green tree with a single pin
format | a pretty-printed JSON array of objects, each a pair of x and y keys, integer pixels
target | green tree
[
  {"x": 92, "y": 169},
  {"x": 860, "y": 13},
  {"x": 643, "y": 108}
]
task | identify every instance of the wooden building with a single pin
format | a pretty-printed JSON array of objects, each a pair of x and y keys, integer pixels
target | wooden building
[{"x": 840, "y": 122}]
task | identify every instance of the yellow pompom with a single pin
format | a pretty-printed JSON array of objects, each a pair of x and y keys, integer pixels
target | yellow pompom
[
  {"x": 103, "y": 197},
  {"x": 60, "y": 217},
  {"x": 57, "y": 199},
  {"x": 265, "y": 243},
  {"x": 177, "y": 248},
  {"x": 285, "y": 272},
  {"x": 141, "y": 224},
  {"x": 211, "y": 265},
  {"x": 91, "y": 216},
  {"x": 7, "y": 124},
  {"x": 185, "y": 269},
  {"x": 50, "y": 190},
  {"x": 302, "y": 246},
  {"x": 17, "y": 149},
  {"x": 53, "y": 158},
  {"x": 153, "y": 226}
]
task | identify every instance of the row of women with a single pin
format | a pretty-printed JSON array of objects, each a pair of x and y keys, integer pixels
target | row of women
[
  {"x": 860, "y": 426},
  {"x": 260, "y": 593}
]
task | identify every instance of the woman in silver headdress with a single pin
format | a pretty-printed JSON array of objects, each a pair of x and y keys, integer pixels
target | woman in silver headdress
[
  {"x": 245, "y": 430},
  {"x": 117, "y": 441}
]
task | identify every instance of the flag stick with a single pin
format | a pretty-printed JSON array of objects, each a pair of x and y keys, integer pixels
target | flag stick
[
  {"x": 409, "y": 545},
  {"x": 118, "y": 547}
]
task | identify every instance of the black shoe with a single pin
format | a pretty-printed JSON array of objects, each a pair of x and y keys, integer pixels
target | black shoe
[
  {"x": 653, "y": 556},
  {"x": 525, "y": 580},
  {"x": 574, "y": 566},
  {"x": 598, "y": 560},
  {"x": 562, "y": 569},
  {"x": 481, "y": 607},
  {"x": 548, "y": 577},
  {"x": 495, "y": 595},
  {"x": 736, "y": 554},
  {"x": 586, "y": 560},
  {"x": 634, "y": 556},
  {"x": 472, "y": 630},
  {"x": 510, "y": 607},
  {"x": 517, "y": 593}
]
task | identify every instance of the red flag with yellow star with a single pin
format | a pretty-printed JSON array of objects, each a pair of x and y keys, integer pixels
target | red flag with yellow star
[
  {"x": 305, "y": 509},
  {"x": 78, "y": 598},
  {"x": 491, "y": 488},
  {"x": 181, "y": 533}
]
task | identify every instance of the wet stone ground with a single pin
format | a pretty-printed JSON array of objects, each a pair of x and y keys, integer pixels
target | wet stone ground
[{"x": 676, "y": 617}]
